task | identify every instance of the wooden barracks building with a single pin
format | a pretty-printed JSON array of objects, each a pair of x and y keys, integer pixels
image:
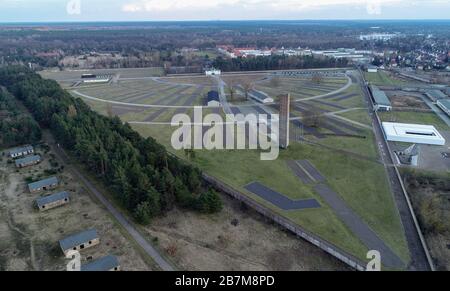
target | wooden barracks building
[
  {"x": 80, "y": 241},
  {"x": 43, "y": 185},
  {"x": 52, "y": 201}
]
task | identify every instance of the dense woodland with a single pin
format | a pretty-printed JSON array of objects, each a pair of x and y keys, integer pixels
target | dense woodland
[
  {"x": 142, "y": 175},
  {"x": 16, "y": 126}
]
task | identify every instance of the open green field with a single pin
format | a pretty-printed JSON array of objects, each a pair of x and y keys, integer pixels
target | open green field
[
  {"x": 349, "y": 163},
  {"x": 381, "y": 78},
  {"x": 360, "y": 116},
  {"x": 361, "y": 183},
  {"x": 148, "y": 92},
  {"x": 124, "y": 73},
  {"x": 429, "y": 118},
  {"x": 300, "y": 88}
]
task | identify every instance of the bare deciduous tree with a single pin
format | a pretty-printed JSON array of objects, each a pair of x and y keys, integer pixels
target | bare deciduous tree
[
  {"x": 317, "y": 78},
  {"x": 247, "y": 85},
  {"x": 275, "y": 82},
  {"x": 231, "y": 89},
  {"x": 312, "y": 118}
]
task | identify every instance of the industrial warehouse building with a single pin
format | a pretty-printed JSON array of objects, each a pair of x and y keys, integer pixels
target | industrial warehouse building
[
  {"x": 108, "y": 263},
  {"x": 444, "y": 105},
  {"x": 21, "y": 151},
  {"x": 213, "y": 100},
  {"x": 413, "y": 133},
  {"x": 43, "y": 185},
  {"x": 435, "y": 95},
  {"x": 381, "y": 101},
  {"x": 52, "y": 201},
  {"x": 79, "y": 241},
  {"x": 28, "y": 161}
]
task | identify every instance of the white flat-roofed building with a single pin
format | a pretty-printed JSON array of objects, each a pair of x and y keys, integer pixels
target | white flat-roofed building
[
  {"x": 372, "y": 69},
  {"x": 213, "y": 72},
  {"x": 413, "y": 133}
]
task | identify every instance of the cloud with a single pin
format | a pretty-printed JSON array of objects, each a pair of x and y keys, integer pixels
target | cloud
[{"x": 279, "y": 5}]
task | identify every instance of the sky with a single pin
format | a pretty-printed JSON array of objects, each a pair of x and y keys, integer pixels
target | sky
[{"x": 157, "y": 10}]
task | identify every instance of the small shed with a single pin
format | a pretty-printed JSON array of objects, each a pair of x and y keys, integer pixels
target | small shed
[
  {"x": 105, "y": 264},
  {"x": 213, "y": 99},
  {"x": 80, "y": 241},
  {"x": 28, "y": 161},
  {"x": 52, "y": 201},
  {"x": 372, "y": 69},
  {"x": 43, "y": 185}
]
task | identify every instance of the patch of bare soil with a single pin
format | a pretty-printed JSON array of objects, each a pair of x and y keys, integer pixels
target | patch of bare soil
[
  {"x": 243, "y": 79},
  {"x": 408, "y": 101},
  {"x": 235, "y": 239}
]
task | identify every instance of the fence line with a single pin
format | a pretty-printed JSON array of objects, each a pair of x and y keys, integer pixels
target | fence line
[{"x": 326, "y": 246}]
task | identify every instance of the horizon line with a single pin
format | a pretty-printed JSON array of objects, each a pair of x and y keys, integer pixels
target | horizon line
[{"x": 218, "y": 20}]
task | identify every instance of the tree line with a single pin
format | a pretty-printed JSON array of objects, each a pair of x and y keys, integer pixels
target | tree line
[
  {"x": 16, "y": 126},
  {"x": 140, "y": 172},
  {"x": 277, "y": 62}
]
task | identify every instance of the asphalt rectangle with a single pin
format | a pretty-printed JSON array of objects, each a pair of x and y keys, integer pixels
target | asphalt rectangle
[
  {"x": 307, "y": 166},
  {"x": 280, "y": 200},
  {"x": 299, "y": 172}
]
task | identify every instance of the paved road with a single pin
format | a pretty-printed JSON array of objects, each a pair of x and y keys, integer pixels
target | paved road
[
  {"x": 148, "y": 248},
  {"x": 418, "y": 254}
]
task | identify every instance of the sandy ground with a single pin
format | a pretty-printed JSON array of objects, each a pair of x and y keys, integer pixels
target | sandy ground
[
  {"x": 29, "y": 239},
  {"x": 237, "y": 239}
]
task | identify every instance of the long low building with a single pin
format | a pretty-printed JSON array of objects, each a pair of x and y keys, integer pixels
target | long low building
[
  {"x": 52, "y": 201},
  {"x": 380, "y": 99},
  {"x": 79, "y": 241},
  {"x": 435, "y": 95},
  {"x": 260, "y": 97},
  {"x": 444, "y": 105},
  {"x": 43, "y": 185},
  {"x": 21, "y": 151},
  {"x": 413, "y": 133},
  {"x": 28, "y": 161},
  {"x": 105, "y": 264}
]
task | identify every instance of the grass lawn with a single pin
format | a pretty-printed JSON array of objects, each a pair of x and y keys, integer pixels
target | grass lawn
[
  {"x": 365, "y": 147},
  {"x": 414, "y": 118},
  {"x": 360, "y": 116},
  {"x": 382, "y": 79},
  {"x": 362, "y": 184}
]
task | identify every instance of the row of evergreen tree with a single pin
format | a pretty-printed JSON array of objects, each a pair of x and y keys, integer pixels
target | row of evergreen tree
[{"x": 140, "y": 172}]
